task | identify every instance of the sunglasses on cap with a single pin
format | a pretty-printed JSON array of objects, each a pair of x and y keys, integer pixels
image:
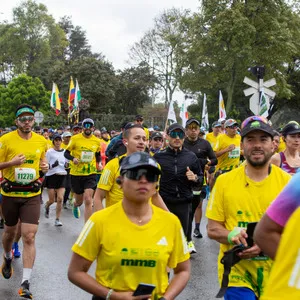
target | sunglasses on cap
[
  {"x": 136, "y": 174},
  {"x": 252, "y": 119},
  {"x": 87, "y": 125},
  {"x": 26, "y": 118},
  {"x": 175, "y": 134}
]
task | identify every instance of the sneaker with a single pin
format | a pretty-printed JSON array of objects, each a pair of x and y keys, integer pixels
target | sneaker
[
  {"x": 24, "y": 290},
  {"x": 6, "y": 268},
  {"x": 15, "y": 249},
  {"x": 47, "y": 212},
  {"x": 197, "y": 234},
  {"x": 65, "y": 206},
  {"x": 76, "y": 212},
  {"x": 191, "y": 247},
  {"x": 1, "y": 223},
  {"x": 58, "y": 223}
]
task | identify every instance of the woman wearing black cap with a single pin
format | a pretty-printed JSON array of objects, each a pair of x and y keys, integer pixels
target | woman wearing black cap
[
  {"x": 289, "y": 159},
  {"x": 132, "y": 241}
]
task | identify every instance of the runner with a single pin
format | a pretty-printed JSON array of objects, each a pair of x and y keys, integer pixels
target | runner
[
  {"x": 55, "y": 178},
  {"x": 22, "y": 153},
  {"x": 212, "y": 136},
  {"x": 84, "y": 152},
  {"x": 239, "y": 197},
  {"x": 156, "y": 142},
  {"x": 153, "y": 241}
]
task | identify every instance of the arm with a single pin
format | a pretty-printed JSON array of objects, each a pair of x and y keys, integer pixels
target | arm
[
  {"x": 44, "y": 165},
  {"x": 179, "y": 280},
  {"x": 276, "y": 160},
  {"x": 217, "y": 231},
  {"x": 267, "y": 235},
  {"x": 16, "y": 161},
  {"x": 98, "y": 198},
  {"x": 223, "y": 151},
  {"x": 159, "y": 202}
]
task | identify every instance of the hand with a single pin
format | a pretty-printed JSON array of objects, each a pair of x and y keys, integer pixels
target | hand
[
  {"x": 240, "y": 238},
  {"x": 75, "y": 161},
  {"x": 230, "y": 148},
  {"x": 44, "y": 167},
  {"x": 190, "y": 174},
  {"x": 18, "y": 160},
  {"x": 250, "y": 253},
  {"x": 56, "y": 163}
]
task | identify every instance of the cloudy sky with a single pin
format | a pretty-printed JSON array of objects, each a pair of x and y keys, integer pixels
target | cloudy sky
[{"x": 112, "y": 26}]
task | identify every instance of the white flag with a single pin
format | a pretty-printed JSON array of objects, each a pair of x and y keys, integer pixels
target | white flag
[
  {"x": 204, "y": 120},
  {"x": 183, "y": 113},
  {"x": 222, "y": 112},
  {"x": 77, "y": 98},
  {"x": 171, "y": 113},
  {"x": 263, "y": 105}
]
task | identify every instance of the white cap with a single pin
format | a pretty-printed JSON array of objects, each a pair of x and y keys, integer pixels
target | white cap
[
  {"x": 66, "y": 134},
  {"x": 221, "y": 120}
]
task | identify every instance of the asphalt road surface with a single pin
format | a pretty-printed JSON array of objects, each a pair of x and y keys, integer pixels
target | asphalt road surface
[{"x": 49, "y": 277}]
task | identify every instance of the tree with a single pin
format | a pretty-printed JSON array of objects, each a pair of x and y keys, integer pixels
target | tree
[
  {"x": 157, "y": 49},
  {"x": 22, "y": 89}
]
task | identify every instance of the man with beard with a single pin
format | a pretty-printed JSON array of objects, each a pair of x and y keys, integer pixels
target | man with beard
[
  {"x": 239, "y": 197},
  {"x": 22, "y": 154},
  {"x": 84, "y": 152}
]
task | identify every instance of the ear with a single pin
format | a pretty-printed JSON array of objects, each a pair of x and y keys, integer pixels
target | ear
[{"x": 125, "y": 142}]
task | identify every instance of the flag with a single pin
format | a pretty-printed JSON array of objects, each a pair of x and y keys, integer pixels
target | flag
[
  {"x": 222, "y": 112},
  {"x": 71, "y": 95},
  {"x": 204, "y": 120},
  {"x": 183, "y": 113},
  {"x": 171, "y": 113},
  {"x": 56, "y": 100},
  {"x": 263, "y": 105},
  {"x": 77, "y": 96}
]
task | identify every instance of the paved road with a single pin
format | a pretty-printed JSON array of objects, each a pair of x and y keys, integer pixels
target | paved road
[{"x": 49, "y": 277}]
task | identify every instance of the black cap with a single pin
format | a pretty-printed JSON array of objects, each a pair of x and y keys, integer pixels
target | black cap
[
  {"x": 139, "y": 117},
  {"x": 156, "y": 134},
  {"x": 291, "y": 128},
  {"x": 192, "y": 120},
  {"x": 76, "y": 126},
  {"x": 56, "y": 136},
  {"x": 175, "y": 126},
  {"x": 130, "y": 125},
  {"x": 139, "y": 159},
  {"x": 256, "y": 123}
]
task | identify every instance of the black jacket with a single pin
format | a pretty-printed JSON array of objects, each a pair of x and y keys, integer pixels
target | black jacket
[
  {"x": 174, "y": 185},
  {"x": 203, "y": 151}
]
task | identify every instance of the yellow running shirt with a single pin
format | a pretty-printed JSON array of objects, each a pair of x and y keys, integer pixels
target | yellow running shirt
[
  {"x": 211, "y": 139},
  {"x": 235, "y": 201},
  {"x": 128, "y": 254},
  {"x": 84, "y": 149},
  {"x": 284, "y": 282},
  {"x": 108, "y": 183},
  {"x": 229, "y": 160},
  {"x": 34, "y": 149}
]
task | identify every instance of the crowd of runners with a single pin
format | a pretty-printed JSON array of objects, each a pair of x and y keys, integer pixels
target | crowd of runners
[{"x": 136, "y": 180}]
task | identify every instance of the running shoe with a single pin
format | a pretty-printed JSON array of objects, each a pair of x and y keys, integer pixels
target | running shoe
[
  {"x": 76, "y": 212},
  {"x": 47, "y": 212},
  {"x": 6, "y": 268},
  {"x": 191, "y": 247},
  {"x": 58, "y": 223},
  {"x": 15, "y": 249},
  {"x": 24, "y": 290},
  {"x": 197, "y": 234},
  {"x": 65, "y": 206}
]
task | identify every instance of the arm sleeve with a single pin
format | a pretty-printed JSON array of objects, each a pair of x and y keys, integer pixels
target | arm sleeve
[
  {"x": 286, "y": 202},
  {"x": 98, "y": 157},
  {"x": 68, "y": 155}
]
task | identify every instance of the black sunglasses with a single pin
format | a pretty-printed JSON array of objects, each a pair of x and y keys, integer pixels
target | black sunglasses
[
  {"x": 26, "y": 118},
  {"x": 136, "y": 174}
]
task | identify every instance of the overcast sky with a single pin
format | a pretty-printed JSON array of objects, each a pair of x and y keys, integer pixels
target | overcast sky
[{"x": 112, "y": 26}]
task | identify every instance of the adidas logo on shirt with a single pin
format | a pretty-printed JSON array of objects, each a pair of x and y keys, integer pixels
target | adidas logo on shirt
[{"x": 162, "y": 242}]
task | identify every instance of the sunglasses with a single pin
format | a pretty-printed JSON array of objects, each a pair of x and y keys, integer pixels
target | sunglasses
[
  {"x": 252, "y": 119},
  {"x": 175, "y": 134},
  {"x": 193, "y": 126},
  {"x": 87, "y": 125},
  {"x": 158, "y": 139},
  {"x": 26, "y": 118},
  {"x": 232, "y": 126},
  {"x": 136, "y": 174},
  {"x": 140, "y": 120}
]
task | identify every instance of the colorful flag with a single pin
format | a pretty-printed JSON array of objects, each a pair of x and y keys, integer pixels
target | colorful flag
[
  {"x": 56, "y": 100},
  {"x": 204, "y": 120},
  {"x": 263, "y": 105},
  {"x": 171, "y": 113},
  {"x": 184, "y": 113},
  {"x": 222, "y": 112},
  {"x": 77, "y": 96},
  {"x": 71, "y": 95}
]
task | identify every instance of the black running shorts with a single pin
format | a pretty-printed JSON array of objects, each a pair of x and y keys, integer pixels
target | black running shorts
[{"x": 81, "y": 183}]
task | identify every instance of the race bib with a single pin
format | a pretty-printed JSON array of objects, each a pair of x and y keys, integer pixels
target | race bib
[
  {"x": 235, "y": 153},
  {"x": 86, "y": 156},
  {"x": 24, "y": 175}
]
